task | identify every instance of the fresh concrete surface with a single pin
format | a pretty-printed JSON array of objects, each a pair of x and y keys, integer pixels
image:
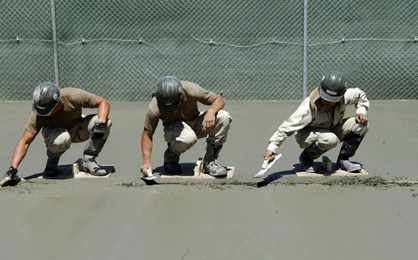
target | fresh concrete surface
[{"x": 280, "y": 217}]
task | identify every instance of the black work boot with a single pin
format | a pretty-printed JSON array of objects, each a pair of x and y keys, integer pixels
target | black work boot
[
  {"x": 308, "y": 156},
  {"x": 210, "y": 164},
  {"x": 348, "y": 149},
  {"x": 51, "y": 169},
  {"x": 171, "y": 162}
]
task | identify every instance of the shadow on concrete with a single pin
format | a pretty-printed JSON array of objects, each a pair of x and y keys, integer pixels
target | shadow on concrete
[
  {"x": 34, "y": 176},
  {"x": 66, "y": 172},
  {"x": 186, "y": 168},
  {"x": 149, "y": 182},
  {"x": 274, "y": 176}
]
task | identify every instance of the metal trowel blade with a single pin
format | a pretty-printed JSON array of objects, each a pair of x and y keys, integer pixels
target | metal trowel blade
[
  {"x": 149, "y": 178},
  {"x": 267, "y": 165}
]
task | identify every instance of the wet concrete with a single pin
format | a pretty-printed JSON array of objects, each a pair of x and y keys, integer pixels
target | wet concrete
[{"x": 280, "y": 217}]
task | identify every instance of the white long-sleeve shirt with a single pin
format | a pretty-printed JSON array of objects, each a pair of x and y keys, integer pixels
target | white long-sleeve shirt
[{"x": 311, "y": 113}]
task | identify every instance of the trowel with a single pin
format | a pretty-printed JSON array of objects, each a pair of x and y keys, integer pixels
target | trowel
[
  {"x": 9, "y": 181},
  {"x": 267, "y": 164},
  {"x": 149, "y": 176}
]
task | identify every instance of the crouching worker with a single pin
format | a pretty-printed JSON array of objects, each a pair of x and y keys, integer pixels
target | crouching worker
[
  {"x": 319, "y": 125},
  {"x": 176, "y": 104},
  {"x": 57, "y": 114}
]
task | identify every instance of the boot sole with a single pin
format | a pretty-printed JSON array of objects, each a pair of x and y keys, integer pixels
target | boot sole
[
  {"x": 94, "y": 173},
  {"x": 350, "y": 171}
]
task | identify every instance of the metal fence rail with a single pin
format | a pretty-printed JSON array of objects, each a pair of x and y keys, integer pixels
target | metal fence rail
[{"x": 248, "y": 50}]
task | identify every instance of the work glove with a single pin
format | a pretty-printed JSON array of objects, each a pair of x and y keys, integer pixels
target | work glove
[
  {"x": 10, "y": 178},
  {"x": 98, "y": 130},
  {"x": 11, "y": 172}
]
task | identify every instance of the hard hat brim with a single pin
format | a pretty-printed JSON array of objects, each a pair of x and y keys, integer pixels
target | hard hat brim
[
  {"x": 169, "y": 107},
  {"x": 328, "y": 97},
  {"x": 44, "y": 112}
]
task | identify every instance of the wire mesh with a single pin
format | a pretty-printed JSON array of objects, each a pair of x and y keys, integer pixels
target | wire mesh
[
  {"x": 248, "y": 50},
  {"x": 372, "y": 42},
  {"x": 26, "y": 50},
  {"x": 207, "y": 42}
]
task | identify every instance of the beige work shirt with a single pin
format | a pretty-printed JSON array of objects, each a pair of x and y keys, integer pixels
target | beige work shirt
[{"x": 188, "y": 109}]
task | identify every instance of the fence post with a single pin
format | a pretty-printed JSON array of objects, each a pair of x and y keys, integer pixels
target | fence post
[
  {"x": 54, "y": 33},
  {"x": 305, "y": 47}
]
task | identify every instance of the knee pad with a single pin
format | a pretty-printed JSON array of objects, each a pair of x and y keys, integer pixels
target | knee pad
[{"x": 59, "y": 144}]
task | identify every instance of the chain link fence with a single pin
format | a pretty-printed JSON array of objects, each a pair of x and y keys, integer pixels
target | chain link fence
[
  {"x": 26, "y": 49},
  {"x": 246, "y": 50},
  {"x": 372, "y": 42}
]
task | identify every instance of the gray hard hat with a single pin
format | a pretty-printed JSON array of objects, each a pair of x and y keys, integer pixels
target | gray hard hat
[
  {"x": 46, "y": 97},
  {"x": 332, "y": 86},
  {"x": 168, "y": 92}
]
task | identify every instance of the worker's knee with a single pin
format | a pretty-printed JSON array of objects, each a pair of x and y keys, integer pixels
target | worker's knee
[
  {"x": 180, "y": 137},
  {"x": 57, "y": 140},
  {"x": 360, "y": 129},
  {"x": 223, "y": 117},
  {"x": 327, "y": 141},
  {"x": 183, "y": 142}
]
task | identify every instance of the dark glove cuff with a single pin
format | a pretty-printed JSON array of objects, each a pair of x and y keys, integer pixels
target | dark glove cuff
[
  {"x": 99, "y": 125},
  {"x": 98, "y": 130},
  {"x": 12, "y": 170}
]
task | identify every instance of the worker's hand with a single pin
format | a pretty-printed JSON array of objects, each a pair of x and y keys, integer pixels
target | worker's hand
[
  {"x": 11, "y": 172},
  {"x": 98, "y": 130},
  {"x": 208, "y": 121},
  {"x": 145, "y": 168},
  {"x": 361, "y": 119},
  {"x": 268, "y": 155}
]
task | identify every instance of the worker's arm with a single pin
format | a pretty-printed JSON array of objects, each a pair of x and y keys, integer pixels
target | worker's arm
[
  {"x": 210, "y": 116},
  {"x": 146, "y": 146}
]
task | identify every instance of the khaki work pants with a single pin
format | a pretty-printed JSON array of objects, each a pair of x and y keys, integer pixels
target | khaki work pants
[
  {"x": 181, "y": 136},
  {"x": 58, "y": 139},
  {"x": 327, "y": 139}
]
